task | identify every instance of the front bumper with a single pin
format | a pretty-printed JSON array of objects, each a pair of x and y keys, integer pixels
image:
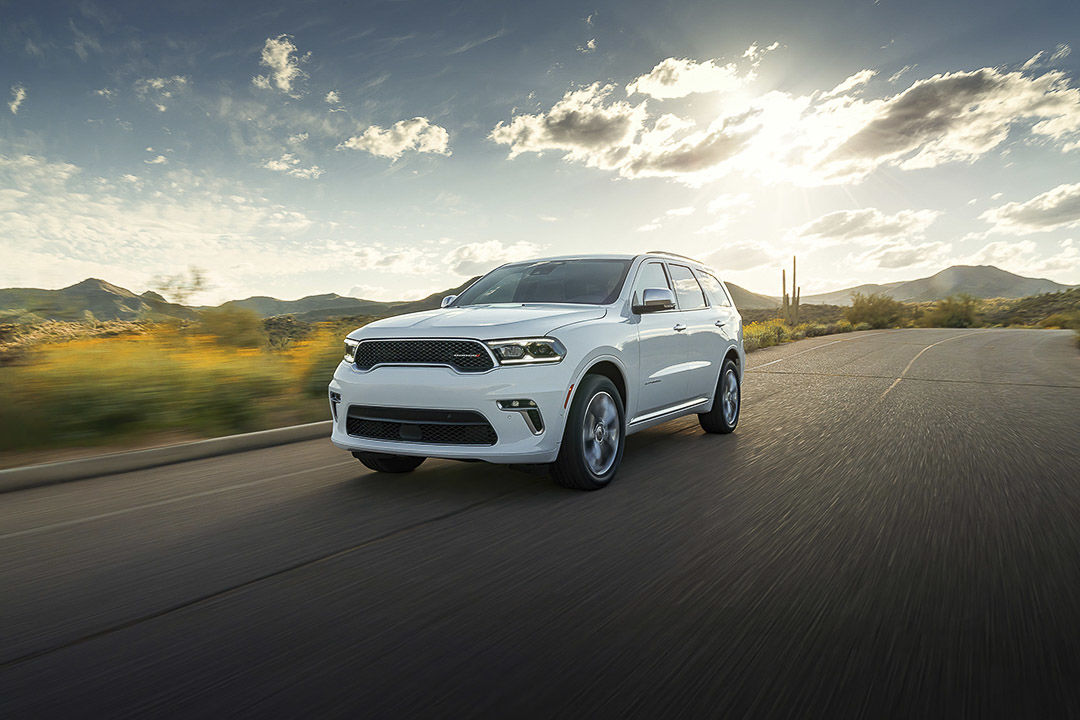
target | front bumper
[{"x": 442, "y": 388}]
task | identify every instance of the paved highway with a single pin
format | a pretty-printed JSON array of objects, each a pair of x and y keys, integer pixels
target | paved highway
[{"x": 893, "y": 531}]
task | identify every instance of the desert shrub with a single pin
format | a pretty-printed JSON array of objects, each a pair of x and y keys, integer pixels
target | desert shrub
[
  {"x": 233, "y": 326},
  {"x": 841, "y": 326},
  {"x": 864, "y": 326},
  {"x": 955, "y": 311},
  {"x": 1069, "y": 320},
  {"x": 817, "y": 330},
  {"x": 765, "y": 334},
  {"x": 135, "y": 384},
  {"x": 875, "y": 309}
]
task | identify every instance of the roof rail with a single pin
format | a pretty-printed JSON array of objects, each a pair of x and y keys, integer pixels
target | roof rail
[{"x": 665, "y": 252}]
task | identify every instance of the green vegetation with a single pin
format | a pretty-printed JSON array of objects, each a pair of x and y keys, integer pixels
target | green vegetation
[
  {"x": 225, "y": 370},
  {"x": 955, "y": 311},
  {"x": 877, "y": 310}
]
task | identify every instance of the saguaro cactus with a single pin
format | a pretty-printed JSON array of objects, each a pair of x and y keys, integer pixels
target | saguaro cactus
[{"x": 789, "y": 310}]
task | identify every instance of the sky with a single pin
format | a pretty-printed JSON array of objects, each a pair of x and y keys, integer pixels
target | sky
[{"x": 393, "y": 149}]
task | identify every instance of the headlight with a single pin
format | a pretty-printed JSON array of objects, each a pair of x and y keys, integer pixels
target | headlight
[
  {"x": 527, "y": 350},
  {"x": 350, "y": 350}
]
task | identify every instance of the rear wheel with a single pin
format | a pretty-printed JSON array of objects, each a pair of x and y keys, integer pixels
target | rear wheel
[
  {"x": 380, "y": 462},
  {"x": 592, "y": 445},
  {"x": 727, "y": 401}
]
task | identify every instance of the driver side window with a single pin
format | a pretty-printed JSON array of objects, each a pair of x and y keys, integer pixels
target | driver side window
[{"x": 650, "y": 275}]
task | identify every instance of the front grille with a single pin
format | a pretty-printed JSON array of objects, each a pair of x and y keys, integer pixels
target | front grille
[
  {"x": 462, "y": 355},
  {"x": 440, "y": 427}
]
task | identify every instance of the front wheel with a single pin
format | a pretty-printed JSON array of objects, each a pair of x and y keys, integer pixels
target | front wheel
[
  {"x": 380, "y": 462},
  {"x": 592, "y": 445},
  {"x": 727, "y": 401}
]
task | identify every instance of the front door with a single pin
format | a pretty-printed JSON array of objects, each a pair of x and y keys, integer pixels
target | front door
[{"x": 662, "y": 350}]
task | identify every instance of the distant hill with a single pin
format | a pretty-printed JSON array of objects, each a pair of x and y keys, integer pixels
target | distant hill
[
  {"x": 981, "y": 281},
  {"x": 746, "y": 300},
  {"x": 90, "y": 299},
  {"x": 315, "y": 308},
  {"x": 94, "y": 299},
  {"x": 100, "y": 300}
]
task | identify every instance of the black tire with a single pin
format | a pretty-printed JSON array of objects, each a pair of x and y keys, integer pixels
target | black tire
[
  {"x": 380, "y": 462},
  {"x": 721, "y": 419},
  {"x": 572, "y": 469}
]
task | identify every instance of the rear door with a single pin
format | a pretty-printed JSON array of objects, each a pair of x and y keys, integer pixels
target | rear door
[
  {"x": 661, "y": 350},
  {"x": 724, "y": 316},
  {"x": 701, "y": 366}
]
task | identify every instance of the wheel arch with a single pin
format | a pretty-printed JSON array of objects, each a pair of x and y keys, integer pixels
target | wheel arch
[{"x": 612, "y": 372}]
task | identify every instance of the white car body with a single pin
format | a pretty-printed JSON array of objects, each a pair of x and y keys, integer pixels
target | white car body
[{"x": 665, "y": 364}]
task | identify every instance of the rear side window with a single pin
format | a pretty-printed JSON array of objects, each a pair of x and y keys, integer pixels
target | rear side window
[
  {"x": 651, "y": 275},
  {"x": 687, "y": 289},
  {"x": 714, "y": 289}
]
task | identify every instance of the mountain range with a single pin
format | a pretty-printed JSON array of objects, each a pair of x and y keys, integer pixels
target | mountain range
[
  {"x": 101, "y": 300},
  {"x": 981, "y": 281}
]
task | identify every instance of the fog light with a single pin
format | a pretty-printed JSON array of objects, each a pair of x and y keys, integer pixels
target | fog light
[
  {"x": 528, "y": 411},
  {"x": 335, "y": 399}
]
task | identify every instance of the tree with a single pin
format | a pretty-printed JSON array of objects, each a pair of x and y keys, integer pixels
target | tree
[
  {"x": 955, "y": 311},
  {"x": 235, "y": 326},
  {"x": 876, "y": 309},
  {"x": 178, "y": 288}
]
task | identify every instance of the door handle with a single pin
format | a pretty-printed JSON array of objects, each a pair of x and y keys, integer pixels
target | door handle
[
  {"x": 679, "y": 328},
  {"x": 719, "y": 323}
]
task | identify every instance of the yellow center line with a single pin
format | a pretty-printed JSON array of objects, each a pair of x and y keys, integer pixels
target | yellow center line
[{"x": 917, "y": 355}]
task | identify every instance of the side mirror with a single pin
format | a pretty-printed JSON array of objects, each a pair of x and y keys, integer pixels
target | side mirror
[
  {"x": 447, "y": 300},
  {"x": 654, "y": 300}
]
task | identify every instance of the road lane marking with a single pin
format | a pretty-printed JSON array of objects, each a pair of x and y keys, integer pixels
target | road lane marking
[
  {"x": 327, "y": 557},
  {"x": 917, "y": 355},
  {"x": 818, "y": 347},
  {"x": 933, "y": 380},
  {"x": 160, "y": 503}
]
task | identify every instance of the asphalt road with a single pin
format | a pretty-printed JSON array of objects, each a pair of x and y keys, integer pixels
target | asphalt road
[{"x": 860, "y": 547}]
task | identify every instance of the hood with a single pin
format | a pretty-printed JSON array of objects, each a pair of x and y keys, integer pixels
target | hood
[{"x": 484, "y": 322}]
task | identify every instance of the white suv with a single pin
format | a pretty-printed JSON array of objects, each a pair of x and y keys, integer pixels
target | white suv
[{"x": 547, "y": 361}]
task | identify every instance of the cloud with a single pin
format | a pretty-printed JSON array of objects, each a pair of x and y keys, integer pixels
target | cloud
[
  {"x": 480, "y": 257},
  {"x": 332, "y": 98},
  {"x": 157, "y": 160},
  {"x": 754, "y": 53},
  {"x": 71, "y": 226},
  {"x": 1032, "y": 61},
  {"x": 106, "y": 93},
  {"x": 897, "y": 254},
  {"x": 297, "y": 138},
  {"x": 582, "y": 124},
  {"x": 84, "y": 43},
  {"x": 417, "y": 134},
  {"x": 680, "y": 211},
  {"x": 290, "y": 165},
  {"x": 736, "y": 255},
  {"x": 1051, "y": 210},
  {"x": 1023, "y": 256},
  {"x": 158, "y": 90},
  {"x": 679, "y": 77},
  {"x": 958, "y": 117},
  {"x": 1060, "y": 53},
  {"x": 899, "y": 73},
  {"x": 649, "y": 226},
  {"x": 721, "y": 203},
  {"x": 815, "y": 139},
  {"x": 587, "y": 47},
  {"x": 860, "y": 78},
  {"x": 279, "y": 55},
  {"x": 477, "y": 43},
  {"x": 867, "y": 224},
  {"x": 18, "y": 94}
]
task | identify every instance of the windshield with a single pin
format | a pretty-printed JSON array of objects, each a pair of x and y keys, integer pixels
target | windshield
[{"x": 593, "y": 282}]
